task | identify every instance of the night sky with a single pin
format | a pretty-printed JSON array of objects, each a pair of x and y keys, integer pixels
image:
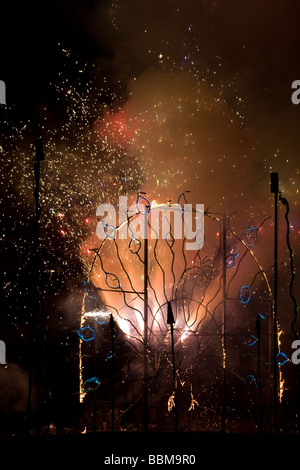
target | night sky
[{"x": 161, "y": 96}]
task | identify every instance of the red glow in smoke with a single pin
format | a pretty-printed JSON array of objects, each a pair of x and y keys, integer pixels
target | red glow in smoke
[{"x": 115, "y": 129}]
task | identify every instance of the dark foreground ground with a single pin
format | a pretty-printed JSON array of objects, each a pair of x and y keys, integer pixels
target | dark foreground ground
[{"x": 149, "y": 450}]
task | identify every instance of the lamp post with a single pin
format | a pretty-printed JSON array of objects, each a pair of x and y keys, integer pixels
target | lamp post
[
  {"x": 34, "y": 331},
  {"x": 146, "y": 209},
  {"x": 112, "y": 332},
  {"x": 223, "y": 230},
  {"x": 258, "y": 330},
  {"x": 171, "y": 322},
  {"x": 275, "y": 191}
]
